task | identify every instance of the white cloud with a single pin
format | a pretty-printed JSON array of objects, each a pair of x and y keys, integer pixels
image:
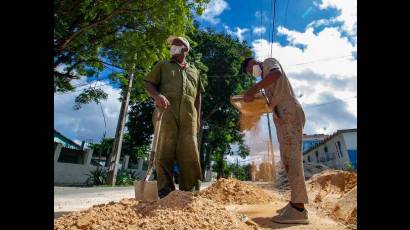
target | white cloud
[
  {"x": 348, "y": 13},
  {"x": 238, "y": 33},
  {"x": 213, "y": 10},
  {"x": 259, "y": 30},
  {"x": 326, "y": 52},
  {"x": 264, "y": 15},
  {"x": 88, "y": 122},
  {"x": 321, "y": 22}
]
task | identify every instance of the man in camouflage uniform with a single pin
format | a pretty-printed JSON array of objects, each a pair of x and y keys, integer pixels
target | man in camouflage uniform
[{"x": 289, "y": 120}]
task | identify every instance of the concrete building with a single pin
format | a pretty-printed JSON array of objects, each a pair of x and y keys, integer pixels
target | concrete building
[
  {"x": 310, "y": 140},
  {"x": 73, "y": 163},
  {"x": 335, "y": 150},
  {"x": 65, "y": 141}
]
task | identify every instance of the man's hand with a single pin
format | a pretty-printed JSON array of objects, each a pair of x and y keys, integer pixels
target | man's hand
[
  {"x": 161, "y": 101},
  {"x": 249, "y": 95}
]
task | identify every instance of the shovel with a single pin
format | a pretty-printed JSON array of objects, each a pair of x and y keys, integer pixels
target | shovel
[{"x": 147, "y": 190}]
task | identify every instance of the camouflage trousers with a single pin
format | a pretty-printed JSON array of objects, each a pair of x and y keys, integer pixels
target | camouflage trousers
[{"x": 289, "y": 120}]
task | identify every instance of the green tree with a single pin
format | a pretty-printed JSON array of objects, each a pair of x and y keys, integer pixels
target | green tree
[
  {"x": 104, "y": 148},
  {"x": 241, "y": 172},
  {"x": 140, "y": 126},
  {"x": 222, "y": 55},
  {"x": 91, "y": 37}
]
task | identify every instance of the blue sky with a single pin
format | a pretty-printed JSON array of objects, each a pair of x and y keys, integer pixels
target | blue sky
[
  {"x": 246, "y": 14},
  {"x": 316, "y": 46}
]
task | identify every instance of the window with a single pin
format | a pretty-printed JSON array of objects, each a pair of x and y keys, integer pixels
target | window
[
  {"x": 326, "y": 150},
  {"x": 317, "y": 156},
  {"x": 308, "y": 158},
  {"x": 340, "y": 149}
]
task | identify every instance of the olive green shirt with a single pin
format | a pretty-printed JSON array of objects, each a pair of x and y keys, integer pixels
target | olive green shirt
[{"x": 173, "y": 82}]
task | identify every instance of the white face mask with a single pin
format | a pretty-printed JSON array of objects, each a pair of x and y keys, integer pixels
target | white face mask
[
  {"x": 256, "y": 71},
  {"x": 176, "y": 49}
]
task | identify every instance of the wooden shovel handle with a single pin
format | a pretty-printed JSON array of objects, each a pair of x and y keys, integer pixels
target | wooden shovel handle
[{"x": 154, "y": 144}]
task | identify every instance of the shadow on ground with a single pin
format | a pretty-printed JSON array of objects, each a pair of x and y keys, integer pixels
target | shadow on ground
[
  {"x": 59, "y": 214},
  {"x": 266, "y": 222}
]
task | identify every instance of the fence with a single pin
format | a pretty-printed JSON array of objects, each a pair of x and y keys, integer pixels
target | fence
[{"x": 72, "y": 166}]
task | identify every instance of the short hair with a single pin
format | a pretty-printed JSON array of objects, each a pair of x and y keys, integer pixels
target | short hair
[{"x": 245, "y": 63}]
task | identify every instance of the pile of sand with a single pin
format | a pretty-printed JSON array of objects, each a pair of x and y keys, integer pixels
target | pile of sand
[
  {"x": 182, "y": 210},
  {"x": 179, "y": 210},
  {"x": 232, "y": 191},
  {"x": 310, "y": 169},
  {"x": 335, "y": 192},
  {"x": 119, "y": 215},
  {"x": 345, "y": 209}
]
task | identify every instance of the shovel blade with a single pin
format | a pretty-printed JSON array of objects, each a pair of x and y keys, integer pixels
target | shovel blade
[{"x": 146, "y": 190}]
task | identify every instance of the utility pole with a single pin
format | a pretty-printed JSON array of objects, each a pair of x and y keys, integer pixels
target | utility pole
[
  {"x": 119, "y": 133},
  {"x": 271, "y": 148}
]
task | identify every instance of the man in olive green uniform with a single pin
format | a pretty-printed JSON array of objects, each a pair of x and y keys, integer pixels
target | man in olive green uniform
[
  {"x": 176, "y": 89},
  {"x": 289, "y": 120}
]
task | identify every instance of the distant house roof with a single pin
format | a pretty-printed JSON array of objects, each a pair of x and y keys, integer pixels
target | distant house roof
[
  {"x": 314, "y": 135},
  {"x": 68, "y": 140},
  {"x": 328, "y": 138}
]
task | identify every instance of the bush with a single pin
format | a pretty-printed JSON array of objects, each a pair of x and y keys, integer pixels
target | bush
[
  {"x": 97, "y": 177},
  {"x": 100, "y": 175},
  {"x": 349, "y": 167},
  {"x": 125, "y": 177}
]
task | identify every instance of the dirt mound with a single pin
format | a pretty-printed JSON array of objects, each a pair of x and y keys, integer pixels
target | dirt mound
[
  {"x": 179, "y": 210},
  {"x": 232, "y": 191},
  {"x": 311, "y": 169},
  {"x": 120, "y": 215},
  {"x": 332, "y": 181},
  {"x": 345, "y": 209},
  {"x": 335, "y": 193}
]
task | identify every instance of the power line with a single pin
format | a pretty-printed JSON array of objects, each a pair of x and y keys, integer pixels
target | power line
[
  {"x": 260, "y": 26},
  {"x": 273, "y": 25},
  {"x": 329, "y": 102},
  {"x": 319, "y": 60},
  {"x": 302, "y": 63},
  {"x": 250, "y": 21},
  {"x": 63, "y": 93},
  {"x": 286, "y": 16},
  {"x": 270, "y": 25}
]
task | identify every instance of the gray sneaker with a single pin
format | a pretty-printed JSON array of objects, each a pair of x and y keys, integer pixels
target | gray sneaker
[
  {"x": 292, "y": 216},
  {"x": 280, "y": 211}
]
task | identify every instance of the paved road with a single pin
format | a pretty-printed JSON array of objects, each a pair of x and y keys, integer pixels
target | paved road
[{"x": 68, "y": 199}]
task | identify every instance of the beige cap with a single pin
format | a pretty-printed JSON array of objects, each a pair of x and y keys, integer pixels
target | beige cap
[{"x": 182, "y": 39}]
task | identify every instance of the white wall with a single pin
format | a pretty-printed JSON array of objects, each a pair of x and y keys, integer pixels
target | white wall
[
  {"x": 339, "y": 160},
  {"x": 71, "y": 174},
  {"x": 350, "y": 140},
  {"x": 76, "y": 174}
]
